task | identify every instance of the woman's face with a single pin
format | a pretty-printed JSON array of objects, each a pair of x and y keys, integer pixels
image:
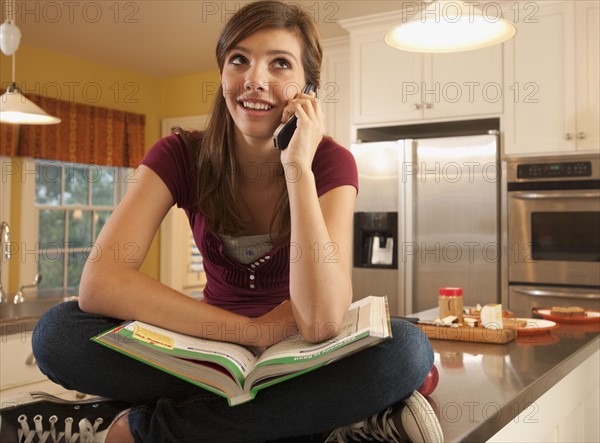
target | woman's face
[{"x": 259, "y": 76}]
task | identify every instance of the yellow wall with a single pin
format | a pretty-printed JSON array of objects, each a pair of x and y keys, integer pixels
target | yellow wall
[
  {"x": 188, "y": 95},
  {"x": 69, "y": 78}
]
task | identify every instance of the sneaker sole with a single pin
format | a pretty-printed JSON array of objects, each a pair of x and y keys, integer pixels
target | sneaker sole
[
  {"x": 28, "y": 398},
  {"x": 425, "y": 419}
]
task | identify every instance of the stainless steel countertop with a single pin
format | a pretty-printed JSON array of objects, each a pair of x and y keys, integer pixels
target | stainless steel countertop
[{"x": 483, "y": 387}]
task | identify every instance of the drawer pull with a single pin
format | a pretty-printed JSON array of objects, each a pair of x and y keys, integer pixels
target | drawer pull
[{"x": 30, "y": 360}]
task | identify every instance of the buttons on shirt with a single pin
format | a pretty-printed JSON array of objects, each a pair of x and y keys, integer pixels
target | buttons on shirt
[
  {"x": 252, "y": 277},
  {"x": 253, "y": 267}
]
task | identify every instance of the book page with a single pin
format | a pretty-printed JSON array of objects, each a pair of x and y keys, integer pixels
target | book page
[
  {"x": 186, "y": 346},
  {"x": 356, "y": 324}
]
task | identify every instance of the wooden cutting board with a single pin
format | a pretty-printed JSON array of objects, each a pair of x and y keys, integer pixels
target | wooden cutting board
[{"x": 477, "y": 334}]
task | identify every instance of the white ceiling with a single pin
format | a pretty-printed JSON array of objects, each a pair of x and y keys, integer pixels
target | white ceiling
[{"x": 159, "y": 38}]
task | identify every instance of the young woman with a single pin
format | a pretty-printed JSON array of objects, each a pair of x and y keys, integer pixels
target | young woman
[{"x": 247, "y": 203}]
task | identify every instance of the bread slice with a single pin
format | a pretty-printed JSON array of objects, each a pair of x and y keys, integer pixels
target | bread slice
[
  {"x": 515, "y": 323},
  {"x": 567, "y": 311}
]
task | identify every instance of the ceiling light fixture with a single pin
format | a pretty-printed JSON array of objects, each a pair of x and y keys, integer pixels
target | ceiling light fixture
[
  {"x": 15, "y": 108},
  {"x": 450, "y": 26}
]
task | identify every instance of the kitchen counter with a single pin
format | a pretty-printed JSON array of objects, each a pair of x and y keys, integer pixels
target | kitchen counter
[
  {"x": 21, "y": 318},
  {"x": 484, "y": 387}
]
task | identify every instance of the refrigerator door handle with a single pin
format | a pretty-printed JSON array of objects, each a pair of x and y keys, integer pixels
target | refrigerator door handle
[
  {"x": 567, "y": 293},
  {"x": 407, "y": 177}
]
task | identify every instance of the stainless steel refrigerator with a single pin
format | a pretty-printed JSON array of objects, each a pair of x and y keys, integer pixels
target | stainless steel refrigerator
[{"x": 427, "y": 216}]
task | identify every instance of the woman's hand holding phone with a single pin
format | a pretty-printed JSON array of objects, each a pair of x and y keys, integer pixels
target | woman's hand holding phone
[
  {"x": 284, "y": 132},
  {"x": 308, "y": 131}
]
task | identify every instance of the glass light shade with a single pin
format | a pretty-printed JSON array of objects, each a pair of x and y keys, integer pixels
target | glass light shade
[
  {"x": 15, "y": 108},
  {"x": 450, "y": 26},
  {"x": 10, "y": 37}
]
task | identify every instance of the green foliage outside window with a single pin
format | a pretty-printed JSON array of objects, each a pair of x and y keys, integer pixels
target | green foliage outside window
[{"x": 73, "y": 203}]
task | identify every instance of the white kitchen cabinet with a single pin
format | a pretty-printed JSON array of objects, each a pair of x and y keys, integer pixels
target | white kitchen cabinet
[
  {"x": 551, "y": 79},
  {"x": 464, "y": 84},
  {"x": 18, "y": 366},
  {"x": 335, "y": 89},
  {"x": 587, "y": 42},
  {"x": 19, "y": 372},
  {"x": 567, "y": 412},
  {"x": 390, "y": 86}
]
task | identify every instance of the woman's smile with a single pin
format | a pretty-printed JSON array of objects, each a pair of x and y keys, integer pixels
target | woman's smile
[{"x": 256, "y": 106}]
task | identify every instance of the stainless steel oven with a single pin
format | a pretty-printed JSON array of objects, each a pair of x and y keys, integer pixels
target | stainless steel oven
[{"x": 553, "y": 232}]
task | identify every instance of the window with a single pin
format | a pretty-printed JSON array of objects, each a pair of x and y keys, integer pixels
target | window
[{"x": 70, "y": 203}]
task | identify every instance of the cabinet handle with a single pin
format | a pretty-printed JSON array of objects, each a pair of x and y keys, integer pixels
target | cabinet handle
[
  {"x": 568, "y": 136},
  {"x": 581, "y": 135},
  {"x": 30, "y": 360},
  {"x": 418, "y": 106}
]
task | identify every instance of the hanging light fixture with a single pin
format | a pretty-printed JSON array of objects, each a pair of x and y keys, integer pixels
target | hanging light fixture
[
  {"x": 451, "y": 26},
  {"x": 15, "y": 108}
]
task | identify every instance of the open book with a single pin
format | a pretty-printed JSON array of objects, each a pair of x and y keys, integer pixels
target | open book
[{"x": 237, "y": 372}]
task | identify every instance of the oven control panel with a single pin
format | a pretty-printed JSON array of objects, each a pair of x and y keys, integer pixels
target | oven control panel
[{"x": 554, "y": 170}]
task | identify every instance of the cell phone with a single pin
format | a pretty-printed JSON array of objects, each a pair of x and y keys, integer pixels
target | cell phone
[{"x": 283, "y": 134}]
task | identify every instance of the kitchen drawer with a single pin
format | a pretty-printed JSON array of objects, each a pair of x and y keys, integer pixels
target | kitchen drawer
[{"x": 17, "y": 364}]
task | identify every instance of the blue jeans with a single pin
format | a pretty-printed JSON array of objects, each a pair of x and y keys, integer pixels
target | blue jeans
[{"x": 167, "y": 409}]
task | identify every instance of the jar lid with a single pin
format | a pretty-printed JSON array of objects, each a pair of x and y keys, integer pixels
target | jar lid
[{"x": 449, "y": 292}]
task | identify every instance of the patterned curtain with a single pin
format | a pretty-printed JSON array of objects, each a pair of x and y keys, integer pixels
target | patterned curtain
[
  {"x": 86, "y": 134},
  {"x": 8, "y": 139}
]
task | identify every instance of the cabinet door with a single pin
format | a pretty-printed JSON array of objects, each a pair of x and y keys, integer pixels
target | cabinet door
[
  {"x": 463, "y": 83},
  {"x": 17, "y": 366},
  {"x": 540, "y": 80},
  {"x": 588, "y": 79},
  {"x": 335, "y": 89},
  {"x": 387, "y": 82}
]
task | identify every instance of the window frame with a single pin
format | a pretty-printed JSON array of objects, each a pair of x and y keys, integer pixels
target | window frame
[
  {"x": 30, "y": 213},
  {"x": 5, "y": 212}
]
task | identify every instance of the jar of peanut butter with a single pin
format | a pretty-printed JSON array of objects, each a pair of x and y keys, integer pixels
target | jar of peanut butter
[{"x": 451, "y": 303}]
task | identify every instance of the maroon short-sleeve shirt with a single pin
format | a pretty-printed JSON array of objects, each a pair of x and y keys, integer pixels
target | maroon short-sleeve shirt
[{"x": 260, "y": 286}]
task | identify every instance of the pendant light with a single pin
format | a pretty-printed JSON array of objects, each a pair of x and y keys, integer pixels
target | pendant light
[
  {"x": 451, "y": 26},
  {"x": 15, "y": 108}
]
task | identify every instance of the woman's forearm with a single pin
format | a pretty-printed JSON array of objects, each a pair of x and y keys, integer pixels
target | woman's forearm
[
  {"x": 320, "y": 286},
  {"x": 126, "y": 293}
]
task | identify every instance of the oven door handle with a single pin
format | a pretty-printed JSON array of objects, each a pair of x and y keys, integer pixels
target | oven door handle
[
  {"x": 567, "y": 293},
  {"x": 554, "y": 195}
]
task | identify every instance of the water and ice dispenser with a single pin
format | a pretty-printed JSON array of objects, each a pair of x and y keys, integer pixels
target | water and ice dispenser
[{"x": 375, "y": 240}]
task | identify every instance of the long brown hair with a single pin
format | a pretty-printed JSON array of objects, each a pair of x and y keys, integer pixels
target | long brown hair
[{"x": 218, "y": 171}]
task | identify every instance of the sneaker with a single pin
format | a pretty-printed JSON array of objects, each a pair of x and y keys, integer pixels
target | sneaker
[
  {"x": 41, "y": 417},
  {"x": 412, "y": 420}
]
